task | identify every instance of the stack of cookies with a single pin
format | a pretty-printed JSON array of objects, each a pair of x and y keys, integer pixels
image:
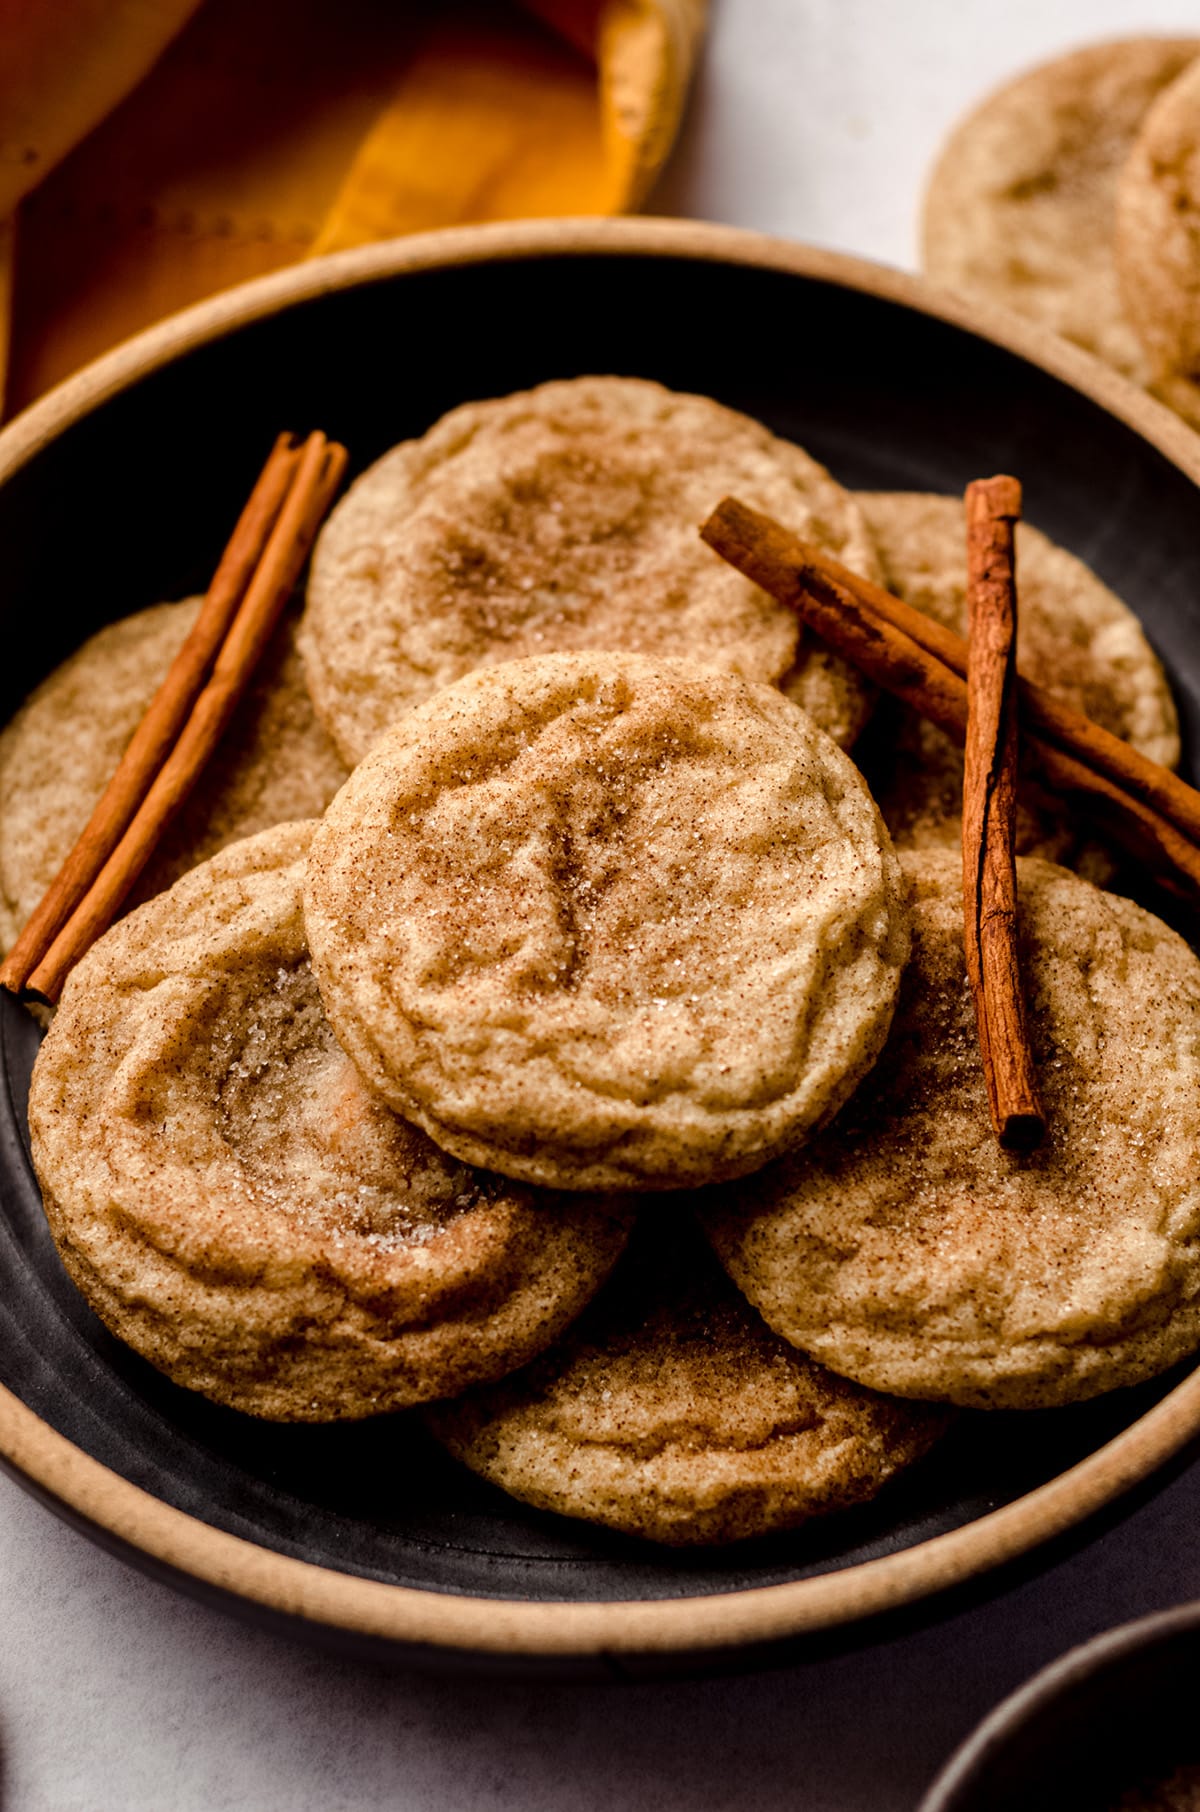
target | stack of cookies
[
  {"x": 1072, "y": 195},
  {"x": 596, "y": 1070}
]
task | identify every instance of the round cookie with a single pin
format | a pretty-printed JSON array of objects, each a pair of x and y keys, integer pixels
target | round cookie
[
  {"x": 670, "y": 1411},
  {"x": 835, "y": 695},
  {"x": 1076, "y": 638},
  {"x": 564, "y": 518},
  {"x": 600, "y": 922},
  {"x": 1158, "y": 241},
  {"x": 275, "y": 762},
  {"x": 906, "y": 1250},
  {"x": 235, "y": 1205},
  {"x": 1020, "y": 208}
]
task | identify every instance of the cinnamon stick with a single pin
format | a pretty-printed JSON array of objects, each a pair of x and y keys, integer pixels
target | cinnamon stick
[
  {"x": 791, "y": 560},
  {"x": 164, "y": 717},
  {"x": 257, "y": 572},
  {"x": 993, "y": 508},
  {"x": 910, "y": 655}
]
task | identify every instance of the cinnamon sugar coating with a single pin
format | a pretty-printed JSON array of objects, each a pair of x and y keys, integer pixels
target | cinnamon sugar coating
[
  {"x": 670, "y": 1411},
  {"x": 1075, "y": 637},
  {"x": 1020, "y": 207},
  {"x": 600, "y": 922},
  {"x": 906, "y": 1250},
  {"x": 235, "y": 1205},
  {"x": 563, "y": 518},
  {"x": 1158, "y": 241},
  {"x": 274, "y": 764}
]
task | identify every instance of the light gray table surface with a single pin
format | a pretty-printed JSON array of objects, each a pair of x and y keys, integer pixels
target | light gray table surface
[{"x": 816, "y": 119}]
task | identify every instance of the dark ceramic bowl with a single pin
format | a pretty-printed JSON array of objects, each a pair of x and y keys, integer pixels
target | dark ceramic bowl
[
  {"x": 1117, "y": 1712},
  {"x": 118, "y": 489}
]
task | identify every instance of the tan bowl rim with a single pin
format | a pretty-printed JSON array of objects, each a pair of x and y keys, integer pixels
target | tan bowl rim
[{"x": 367, "y": 1608}]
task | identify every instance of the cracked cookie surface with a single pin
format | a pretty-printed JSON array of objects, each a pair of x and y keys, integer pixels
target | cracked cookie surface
[
  {"x": 601, "y": 922},
  {"x": 906, "y": 1250},
  {"x": 670, "y": 1411},
  {"x": 1021, "y": 205},
  {"x": 1158, "y": 241},
  {"x": 236, "y": 1206},
  {"x": 563, "y": 518}
]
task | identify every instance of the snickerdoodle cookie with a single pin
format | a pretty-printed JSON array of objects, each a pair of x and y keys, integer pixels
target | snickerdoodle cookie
[
  {"x": 1021, "y": 205},
  {"x": 906, "y": 1250},
  {"x": 671, "y": 1411},
  {"x": 233, "y": 1202},
  {"x": 564, "y": 518},
  {"x": 1158, "y": 241},
  {"x": 602, "y": 922},
  {"x": 1076, "y": 638},
  {"x": 275, "y": 762}
]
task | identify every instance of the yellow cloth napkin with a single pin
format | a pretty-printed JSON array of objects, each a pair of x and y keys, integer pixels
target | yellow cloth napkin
[{"x": 155, "y": 151}]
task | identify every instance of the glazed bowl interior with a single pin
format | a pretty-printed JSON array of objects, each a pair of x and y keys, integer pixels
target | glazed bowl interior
[{"x": 120, "y": 492}]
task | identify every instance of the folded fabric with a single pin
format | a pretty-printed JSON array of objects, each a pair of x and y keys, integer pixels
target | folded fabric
[{"x": 155, "y": 151}]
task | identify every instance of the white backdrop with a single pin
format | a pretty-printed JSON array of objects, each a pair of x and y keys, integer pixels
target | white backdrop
[{"x": 816, "y": 119}]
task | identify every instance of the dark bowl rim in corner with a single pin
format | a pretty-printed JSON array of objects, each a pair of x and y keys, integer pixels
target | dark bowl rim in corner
[{"x": 954, "y": 1787}]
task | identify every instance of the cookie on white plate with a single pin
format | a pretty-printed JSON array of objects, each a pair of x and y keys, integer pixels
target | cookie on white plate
[{"x": 1021, "y": 205}]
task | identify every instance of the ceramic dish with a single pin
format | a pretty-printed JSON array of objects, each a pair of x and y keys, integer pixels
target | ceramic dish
[
  {"x": 117, "y": 490},
  {"x": 1114, "y": 1713}
]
